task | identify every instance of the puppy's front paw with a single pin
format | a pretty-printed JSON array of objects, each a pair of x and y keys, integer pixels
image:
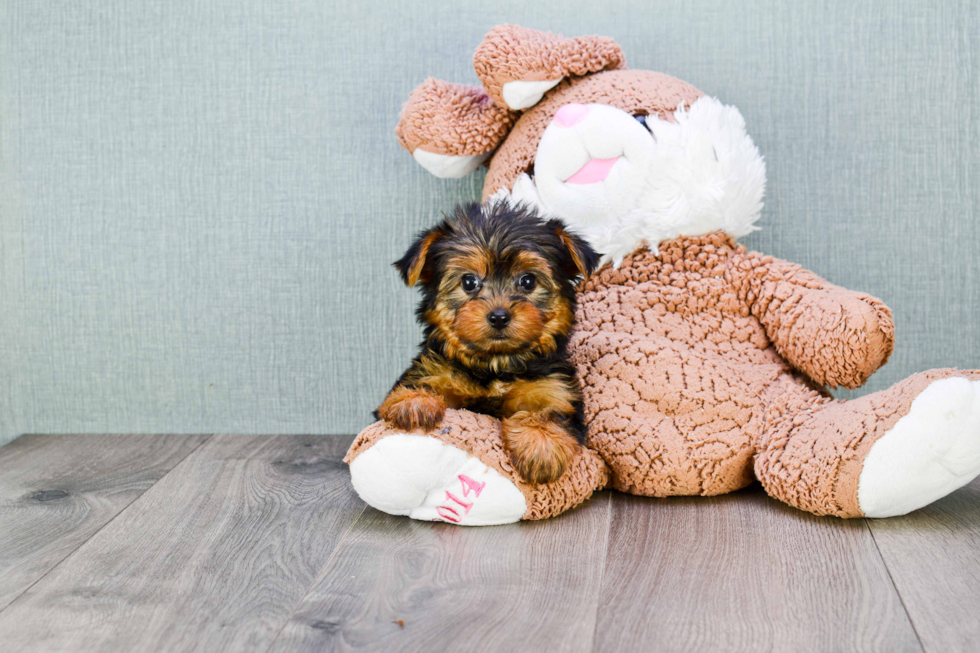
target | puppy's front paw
[
  {"x": 412, "y": 408},
  {"x": 540, "y": 449}
]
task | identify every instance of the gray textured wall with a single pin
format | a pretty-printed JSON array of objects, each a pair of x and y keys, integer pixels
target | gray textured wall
[{"x": 200, "y": 200}]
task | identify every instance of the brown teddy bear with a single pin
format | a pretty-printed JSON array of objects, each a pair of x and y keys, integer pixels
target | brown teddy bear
[{"x": 704, "y": 366}]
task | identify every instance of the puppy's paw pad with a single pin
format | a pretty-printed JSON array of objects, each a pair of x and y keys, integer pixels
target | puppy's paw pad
[
  {"x": 423, "y": 478},
  {"x": 928, "y": 453}
]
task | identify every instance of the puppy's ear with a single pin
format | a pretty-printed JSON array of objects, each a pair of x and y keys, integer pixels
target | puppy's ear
[
  {"x": 582, "y": 259},
  {"x": 416, "y": 264}
]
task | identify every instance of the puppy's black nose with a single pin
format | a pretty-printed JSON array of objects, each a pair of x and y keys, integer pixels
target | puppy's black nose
[{"x": 498, "y": 318}]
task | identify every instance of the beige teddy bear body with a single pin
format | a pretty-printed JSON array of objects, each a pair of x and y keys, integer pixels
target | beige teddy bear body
[{"x": 679, "y": 357}]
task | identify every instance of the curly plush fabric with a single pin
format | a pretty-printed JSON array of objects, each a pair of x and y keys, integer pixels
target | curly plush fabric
[
  {"x": 853, "y": 337},
  {"x": 452, "y": 119},
  {"x": 480, "y": 436},
  {"x": 513, "y": 53},
  {"x": 683, "y": 353},
  {"x": 633, "y": 91},
  {"x": 814, "y": 448}
]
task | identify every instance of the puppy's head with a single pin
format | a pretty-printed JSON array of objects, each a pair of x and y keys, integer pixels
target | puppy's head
[{"x": 498, "y": 282}]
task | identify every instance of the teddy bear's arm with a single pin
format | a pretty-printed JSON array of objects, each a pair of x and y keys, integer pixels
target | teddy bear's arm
[{"x": 836, "y": 336}]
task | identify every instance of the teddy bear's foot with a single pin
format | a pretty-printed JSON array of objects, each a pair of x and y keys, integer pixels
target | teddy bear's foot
[
  {"x": 423, "y": 478},
  {"x": 460, "y": 473},
  {"x": 930, "y": 452}
]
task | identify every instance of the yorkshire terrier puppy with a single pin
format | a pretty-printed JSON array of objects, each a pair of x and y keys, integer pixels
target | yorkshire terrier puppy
[{"x": 498, "y": 306}]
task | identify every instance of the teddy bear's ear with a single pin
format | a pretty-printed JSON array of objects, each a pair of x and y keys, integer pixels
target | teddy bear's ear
[
  {"x": 450, "y": 129},
  {"x": 518, "y": 65}
]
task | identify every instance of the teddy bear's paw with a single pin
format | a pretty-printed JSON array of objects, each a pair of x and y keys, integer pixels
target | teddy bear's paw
[
  {"x": 421, "y": 477},
  {"x": 928, "y": 453}
]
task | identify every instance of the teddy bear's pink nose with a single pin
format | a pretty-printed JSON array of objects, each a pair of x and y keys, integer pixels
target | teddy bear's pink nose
[{"x": 570, "y": 114}]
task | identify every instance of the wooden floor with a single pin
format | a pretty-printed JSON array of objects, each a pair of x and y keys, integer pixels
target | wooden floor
[{"x": 153, "y": 543}]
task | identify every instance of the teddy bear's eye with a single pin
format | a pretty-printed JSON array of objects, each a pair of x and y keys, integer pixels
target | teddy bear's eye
[{"x": 642, "y": 119}]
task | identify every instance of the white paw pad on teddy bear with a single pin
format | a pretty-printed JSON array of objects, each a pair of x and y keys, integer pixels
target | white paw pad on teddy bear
[{"x": 932, "y": 451}]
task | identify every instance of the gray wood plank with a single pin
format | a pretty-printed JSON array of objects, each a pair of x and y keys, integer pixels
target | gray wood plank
[
  {"x": 401, "y": 585},
  {"x": 213, "y": 557},
  {"x": 743, "y": 572},
  {"x": 933, "y": 556},
  {"x": 57, "y": 490}
]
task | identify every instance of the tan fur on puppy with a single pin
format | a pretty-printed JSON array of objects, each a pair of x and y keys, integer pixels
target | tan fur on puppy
[
  {"x": 412, "y": 408},
  {"x": 539, "y": 449}
]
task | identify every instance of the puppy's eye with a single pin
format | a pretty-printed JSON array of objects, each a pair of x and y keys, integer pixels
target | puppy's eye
[
  {"x": 527, "y": 282},
  {"x": 470, "y": 283}
]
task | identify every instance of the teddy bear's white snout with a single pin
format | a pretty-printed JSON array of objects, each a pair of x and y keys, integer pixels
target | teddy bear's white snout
[
  {"x": 582, "y": 133},
  {"x": 590, "y": 163}
]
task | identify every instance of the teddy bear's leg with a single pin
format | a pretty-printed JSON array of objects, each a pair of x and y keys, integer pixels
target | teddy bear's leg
[
  {"x": 421, "y": 477},
  {"x": 459, "y": 473},
  {"x": 881, "y": 455}
]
